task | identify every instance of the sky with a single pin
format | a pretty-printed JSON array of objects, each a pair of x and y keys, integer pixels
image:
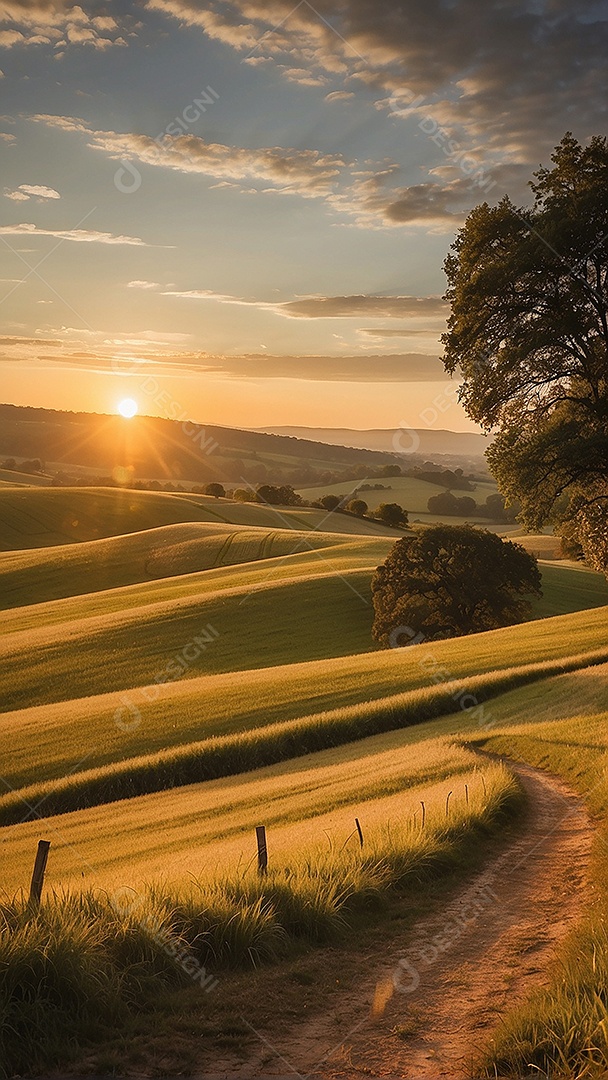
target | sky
[{"x": 238, "y": 211}]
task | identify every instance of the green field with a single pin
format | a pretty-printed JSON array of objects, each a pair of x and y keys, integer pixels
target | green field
[
  {"x": 175, "y": 675},
  {"x": 412, "y": 494},
  {"x": 41, "y": 517}
]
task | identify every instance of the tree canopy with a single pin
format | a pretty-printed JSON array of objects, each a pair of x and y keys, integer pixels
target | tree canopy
[
  {"x": 358, "y": 507},
  {"x": 449, "y": 580},
  {"x": 446, "y": 503},
  {"x": 391, "y": 514},
  {"x": 528, "y": 334}
]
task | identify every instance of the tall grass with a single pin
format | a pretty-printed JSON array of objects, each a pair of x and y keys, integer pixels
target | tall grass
[
  {"x": 243, "y": 752},
  {"x": 85, "y": 961}
]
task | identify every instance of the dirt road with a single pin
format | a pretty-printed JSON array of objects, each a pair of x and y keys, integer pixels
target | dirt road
[{"x": 425, "y": 1010}]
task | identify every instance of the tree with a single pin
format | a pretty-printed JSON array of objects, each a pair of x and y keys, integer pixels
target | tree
[
  {"x": 450, "y": 505},
  {"x": 330, "y": 502},
  {"x": 391, "y": 514},
  {"x": 274, "y": 495},
  {"x": 358, "y": 507},
  {"x": 217, "y": 490},
  {"x": 443, "y": 503},
  {"x": 529, "y": 335},
  {"x": 449, "y": 580}
]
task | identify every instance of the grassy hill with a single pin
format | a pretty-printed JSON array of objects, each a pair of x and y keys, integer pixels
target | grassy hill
[
  {"x": 43, "y": 517},
  {"x": 410, "y": 492},
  {"x": 175, "y": 450},
  {"x": 82, "y": 732},
  {"x": 209, "y": 828},
  {"x": 30, "y": 577},
  {"x": 264, "y": 599}
]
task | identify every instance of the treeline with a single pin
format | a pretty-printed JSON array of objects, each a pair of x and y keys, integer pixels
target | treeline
[
  {"x": 33, "y": 467},
  {"x": 448, "y": 505},
  {"x": 259, "y": 475},
  {"x": 284, "y": 495}
]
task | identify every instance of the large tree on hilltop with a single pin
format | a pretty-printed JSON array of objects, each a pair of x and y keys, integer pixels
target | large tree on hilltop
[
  {"x": 528, "y": 334},
  {"x": 449, "y": 580}
]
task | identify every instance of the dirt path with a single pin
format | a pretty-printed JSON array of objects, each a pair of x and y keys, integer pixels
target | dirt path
[{"x": 425, "y": 1010}]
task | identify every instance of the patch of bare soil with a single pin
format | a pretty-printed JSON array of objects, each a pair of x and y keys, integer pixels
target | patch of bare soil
[{"x": 427, "y": 1009}]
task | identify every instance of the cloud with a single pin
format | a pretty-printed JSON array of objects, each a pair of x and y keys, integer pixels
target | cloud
[
  {"x": 153, "y": 353},
  {"x": 352, "y": 307},
  {"x": 507, "y": 76},
  {"x": 304, "y": 172},
  {"x": 369, "y": 195},
  {"x": 400, "y": 368},
  {"x": 391, "y": 331},
  {"x": 137, "y": 284},
  {"x": 11, "y": 340},
  {"x": 40, "y": 191},
  {"x": 331, "y": 307},
  {"x": 27, "y": 191},
  {"x": 58, "y": 23},
  {"x": 6, "y": 137},
  {"x": 340, "y": 95},
  {"x": 97, "y": 349},
  {"x": 436, "y": 205},
  {"x": 80, "y": 236}
]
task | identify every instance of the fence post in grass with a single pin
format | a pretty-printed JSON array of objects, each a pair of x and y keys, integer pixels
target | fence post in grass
[
  {"x": 42, "y": 855},
  {"x": 447, "y": 804},
  {"x": 466, "y": 793},
  {"x": 260, "y": 835},
  {"x": 359, "y": 830},
  {"x": 423, "y": 814}
]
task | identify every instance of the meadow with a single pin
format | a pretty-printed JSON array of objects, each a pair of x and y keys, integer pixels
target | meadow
[
  {"x": 410, "y": 492},
  {"x": 41, "y": 517},
  {"x": 176, "y": 678}
]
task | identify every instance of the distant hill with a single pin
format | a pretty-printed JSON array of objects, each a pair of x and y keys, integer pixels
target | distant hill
[
  {"x": 429, "y": 442},
  {"x": 173, "y": 450}
]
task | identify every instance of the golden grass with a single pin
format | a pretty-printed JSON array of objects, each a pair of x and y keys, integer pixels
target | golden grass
[
  {"x": 45, "y": 743},
  {"x": 202, "y": 828}
]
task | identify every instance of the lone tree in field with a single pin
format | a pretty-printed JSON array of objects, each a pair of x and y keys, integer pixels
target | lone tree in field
[
  {"x": 450, "y": 580},
  {"x": 528, "y": 335},
  {"x": 358, "y": 507},
  {"x": 391, "y": 514}
]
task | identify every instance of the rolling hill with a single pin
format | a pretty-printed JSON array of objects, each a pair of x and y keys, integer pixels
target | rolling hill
[
  {"x": 175, "y": 450},
  {"x": 430, "y": 442}
]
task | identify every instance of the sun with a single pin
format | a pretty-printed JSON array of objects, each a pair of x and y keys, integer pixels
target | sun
[{"x": 127, "y": 407}]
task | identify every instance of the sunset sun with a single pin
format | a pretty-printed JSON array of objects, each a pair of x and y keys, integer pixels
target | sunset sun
[{"x": 127, "y": 407}]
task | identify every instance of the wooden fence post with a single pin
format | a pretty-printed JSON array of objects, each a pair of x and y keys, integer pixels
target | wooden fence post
[
  {"x": 423, "y": 814},
  {"x": 359, "y": 830},
  {"x": 260, "y": 835},
  {"x": 466, "y": 793},
  {"x": 42, "y": 855},
  {"x": 447, "y": 804}
]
